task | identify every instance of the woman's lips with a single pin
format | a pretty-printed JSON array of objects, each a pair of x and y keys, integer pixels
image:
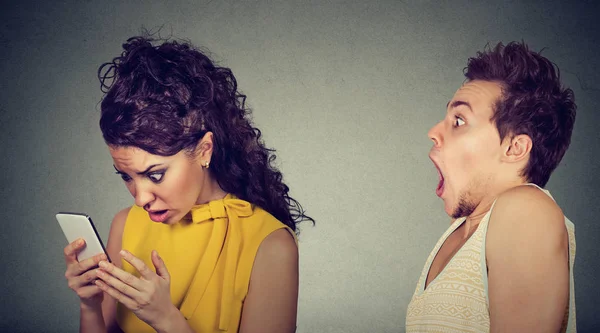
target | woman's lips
[{"x": 159, "y": 215}]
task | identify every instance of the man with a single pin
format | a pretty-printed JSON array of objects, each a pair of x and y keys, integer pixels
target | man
[{"x": 506, "y": 262}]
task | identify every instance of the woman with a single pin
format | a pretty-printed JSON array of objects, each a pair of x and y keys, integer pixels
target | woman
[{"x": 209, "y": 245}]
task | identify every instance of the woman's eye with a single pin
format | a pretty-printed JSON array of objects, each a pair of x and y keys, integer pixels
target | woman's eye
[
  {"x": 458, "y": 121},
  {"x": 125, "y": 177},
  {"x": 156, "y": 177}
]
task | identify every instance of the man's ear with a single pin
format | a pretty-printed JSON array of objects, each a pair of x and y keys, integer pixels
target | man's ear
[{"x": 517, "y": 148}]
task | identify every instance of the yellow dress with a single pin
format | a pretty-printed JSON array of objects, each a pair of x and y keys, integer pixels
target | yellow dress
[{"x": 209, "y": 258}]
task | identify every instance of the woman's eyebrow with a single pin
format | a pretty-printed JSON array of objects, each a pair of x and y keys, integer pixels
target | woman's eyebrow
[{"x": 141, "y": 172}]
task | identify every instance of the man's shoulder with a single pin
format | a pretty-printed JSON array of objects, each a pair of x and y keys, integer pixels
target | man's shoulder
[
  {"x": 526, "y": 202},
  {"x": 528, "y": 214}
]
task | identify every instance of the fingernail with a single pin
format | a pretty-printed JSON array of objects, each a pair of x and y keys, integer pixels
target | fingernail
[
  {"x": 80, "y": 241},
  {"x": 123, "y": 252},
  {"x": 103, "y": 264}
]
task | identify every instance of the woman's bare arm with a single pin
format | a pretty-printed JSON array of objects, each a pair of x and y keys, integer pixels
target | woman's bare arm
[
  {"x": 113, "y": 246},
  {"x": 272, "y": 301}
]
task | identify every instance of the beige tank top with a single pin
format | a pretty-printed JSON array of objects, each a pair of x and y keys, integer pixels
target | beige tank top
[{"x": 457, "y": 299}]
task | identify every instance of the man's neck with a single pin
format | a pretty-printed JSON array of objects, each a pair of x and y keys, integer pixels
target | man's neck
[{"x": 484, "y": 206}]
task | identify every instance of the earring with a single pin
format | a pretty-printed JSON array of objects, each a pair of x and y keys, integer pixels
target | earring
[{"x": 206, "y": 164}]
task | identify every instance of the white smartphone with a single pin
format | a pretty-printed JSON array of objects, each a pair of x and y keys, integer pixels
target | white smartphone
[{"x": 78, "y": 225}]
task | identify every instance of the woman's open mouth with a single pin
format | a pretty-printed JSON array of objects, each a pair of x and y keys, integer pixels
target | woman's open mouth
[{"x": 159, "y": 215}]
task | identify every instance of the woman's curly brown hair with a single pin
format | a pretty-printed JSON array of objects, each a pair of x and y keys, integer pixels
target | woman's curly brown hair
[{"x": 164, "y": 98}]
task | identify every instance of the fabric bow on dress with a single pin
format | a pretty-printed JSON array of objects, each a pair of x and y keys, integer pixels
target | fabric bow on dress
[{"x": 225, "y": 240}]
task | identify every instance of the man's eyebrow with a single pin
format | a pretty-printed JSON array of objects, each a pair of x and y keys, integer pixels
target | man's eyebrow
[
  {"x": 456, "y": 104},
  {"x": 139, "y": 173}
]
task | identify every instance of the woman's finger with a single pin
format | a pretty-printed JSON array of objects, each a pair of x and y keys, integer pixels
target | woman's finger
[
  {"x": 114, "y": 293},
  {"x": 84, "y": 279},
  {"x": 88, "y": 291},
  {"x": 70, "y": 251},
  {"x": 117, "y": 278},
  {"x": 138, "y": 264},
  {"x": 161, "y": 267},
  {"x": 77, "y": 268}
]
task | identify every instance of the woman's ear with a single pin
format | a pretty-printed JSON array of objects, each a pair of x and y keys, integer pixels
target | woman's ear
[
  {"x": 517, "y": 148},
  {"x": 204, "y": 149}
]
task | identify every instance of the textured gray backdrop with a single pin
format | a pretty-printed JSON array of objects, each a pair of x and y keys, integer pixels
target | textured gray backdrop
[{"x": 344, "y": 90}]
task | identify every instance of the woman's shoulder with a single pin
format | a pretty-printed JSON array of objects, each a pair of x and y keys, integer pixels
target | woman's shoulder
[
  {"x": 132, "y": 212},
  {"x": 115, "y": 235},
  {"x": 118, "y": 221},
  {"x": 260, "y": 218},
  {"x": 121, "y": 218},
  {"x": 121, "y": 215},
  {"x": 261, "y": 224}
]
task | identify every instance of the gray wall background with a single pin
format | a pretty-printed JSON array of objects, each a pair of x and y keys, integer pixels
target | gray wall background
[{"x": 344, "y": 90}]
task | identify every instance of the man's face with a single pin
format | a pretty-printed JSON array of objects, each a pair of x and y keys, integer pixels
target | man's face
[{"x": 466, "y": 148}]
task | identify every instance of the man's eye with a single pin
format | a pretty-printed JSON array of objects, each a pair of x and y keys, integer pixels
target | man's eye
[{"x": 458, "y": 121}]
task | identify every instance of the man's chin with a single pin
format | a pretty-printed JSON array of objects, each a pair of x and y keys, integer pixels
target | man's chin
[
  {"x": 452, "y": 210},
  {"x": 449, "y": 208}
]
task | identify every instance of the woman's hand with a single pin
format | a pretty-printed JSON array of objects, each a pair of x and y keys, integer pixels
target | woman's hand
[
  {"x": 148, "y": 296},
  {"x": 81, "y": 275}
]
